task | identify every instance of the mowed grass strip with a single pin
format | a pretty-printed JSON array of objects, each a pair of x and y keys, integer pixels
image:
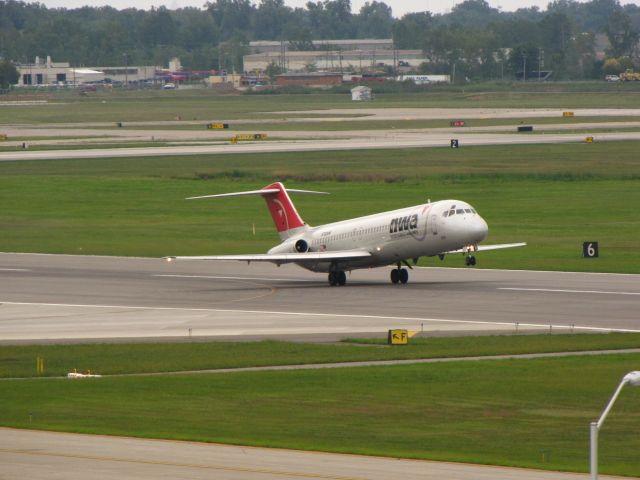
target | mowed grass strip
[
  {"x": 554, "y": 197},
  {"x": 205, "y": 104},
  {"x": 110, "y": 359},
  {"x": 526, "y": 413}
]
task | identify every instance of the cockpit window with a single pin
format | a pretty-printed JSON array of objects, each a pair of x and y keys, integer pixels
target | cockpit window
[
  {"x": 473, "y": 211},
  {"x": 452, "y": 212},
  {"x": 445, "y": 214},
  {"x": 468, "y": 210},
  {"x": 460, "y": 211}
]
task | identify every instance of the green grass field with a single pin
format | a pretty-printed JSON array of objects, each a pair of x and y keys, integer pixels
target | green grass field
[
  {"x": 528, "y": 413},
  {"x": 147, "y": 105},
  {"x": 110, "y": 359},
  {"x": 552, "y": 196}
]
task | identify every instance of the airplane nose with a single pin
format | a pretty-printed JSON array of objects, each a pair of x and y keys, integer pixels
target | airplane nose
[{"x": 481, "y": 229}]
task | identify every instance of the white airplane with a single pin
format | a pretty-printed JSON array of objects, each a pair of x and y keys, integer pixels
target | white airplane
[{"x": 388, "y": 238}]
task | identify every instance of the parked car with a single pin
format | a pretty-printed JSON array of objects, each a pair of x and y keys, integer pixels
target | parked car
[
  {"x": 612, "y": 78},
  {"x": 169, "y": 86}
]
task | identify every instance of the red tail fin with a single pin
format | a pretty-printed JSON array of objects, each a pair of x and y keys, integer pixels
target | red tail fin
[{"x": 283, "y": 212}]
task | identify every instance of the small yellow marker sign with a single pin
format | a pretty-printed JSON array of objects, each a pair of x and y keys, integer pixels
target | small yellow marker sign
[
  {"x": 567, "y": 114},
  {"x": 398, "y": 337},
  {"x": 589, "y": 139}
]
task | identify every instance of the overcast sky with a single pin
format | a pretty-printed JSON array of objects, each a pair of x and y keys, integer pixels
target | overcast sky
[{"x": 400, "y": 7}]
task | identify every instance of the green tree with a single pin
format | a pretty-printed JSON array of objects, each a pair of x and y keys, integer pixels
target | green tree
[
  {"x": 621, "y": 34},
  {"x": 271, "y": 19},
  {"x": 374, "y": 20},
  {"x": 158, "y": 28},
  {"x": 272, "y": 71},
  {"x": 231, "y": 16},
  {"x": 410, "y": 31},
  {"x": 523, "y": 59},
  {"x": 8, "y": 74}
]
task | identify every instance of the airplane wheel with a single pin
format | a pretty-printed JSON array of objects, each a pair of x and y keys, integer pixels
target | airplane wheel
[
  {"x": 395, "y": 276},
  {"x": 404, "y": 275},
  {"x": 472, "y": 261},
  {"x": 467, "y": 261},
  {"x": 333, "y": 280},
  {"x": 341, "y": 277}
]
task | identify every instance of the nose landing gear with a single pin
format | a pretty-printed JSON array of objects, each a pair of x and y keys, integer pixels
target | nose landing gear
[{"x": 470, "y": 261}]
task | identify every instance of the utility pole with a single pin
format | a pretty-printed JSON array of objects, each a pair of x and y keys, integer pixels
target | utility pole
[
  {"x": 126, "y": 69},
  {"x": 524, "y": 67},
  {"x": 540, "y": 53}
]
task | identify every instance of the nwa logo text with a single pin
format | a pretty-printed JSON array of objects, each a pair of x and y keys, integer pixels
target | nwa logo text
[{"x": 402, "y": 224}]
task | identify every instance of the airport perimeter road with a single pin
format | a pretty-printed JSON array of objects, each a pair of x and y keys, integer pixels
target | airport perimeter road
[
  {"x": 75, "y": 297},
  {"x": 34, "y": 455},
  {"x": 384, "y": 141}
]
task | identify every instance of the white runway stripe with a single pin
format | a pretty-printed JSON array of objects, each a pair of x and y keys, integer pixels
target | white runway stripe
[
  {"x": 598, "y": 292},
  {"x": 217, "y": 277},
  {"x": 395, "y": 319}
]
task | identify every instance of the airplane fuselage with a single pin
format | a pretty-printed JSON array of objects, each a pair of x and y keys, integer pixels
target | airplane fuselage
[{"x": 391, "y": 237}]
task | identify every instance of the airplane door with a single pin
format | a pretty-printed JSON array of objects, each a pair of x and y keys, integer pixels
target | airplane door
[{"x": 433, "y": 224}]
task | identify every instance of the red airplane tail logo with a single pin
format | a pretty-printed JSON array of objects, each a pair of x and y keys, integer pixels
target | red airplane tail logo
[{"x": 283, "y": 212}]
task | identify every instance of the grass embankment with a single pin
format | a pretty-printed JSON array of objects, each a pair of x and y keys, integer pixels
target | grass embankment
[
  {"x": 110, "y": 359},
  {"x": 529, "y": 413},
  {"x": 552, "y": 196},
  {"x": 118, "y": 106}
]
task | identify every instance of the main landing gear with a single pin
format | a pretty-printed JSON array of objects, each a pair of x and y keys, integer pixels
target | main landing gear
[
  {"x": 337, "y": 278},
  {"x": 399, "y": 275},
  {"x": 470, "y": 261}
]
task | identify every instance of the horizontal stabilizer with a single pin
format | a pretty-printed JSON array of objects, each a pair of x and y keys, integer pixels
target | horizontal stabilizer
[
  {"x": 264, "y": 191},
  {"x": 285, "y": 257}
]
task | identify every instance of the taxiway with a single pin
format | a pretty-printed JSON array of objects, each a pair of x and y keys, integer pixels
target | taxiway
[{"x": 35, "y": 455}]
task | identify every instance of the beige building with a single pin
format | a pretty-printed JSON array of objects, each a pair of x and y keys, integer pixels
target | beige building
[{"x": 334, "y": 60}]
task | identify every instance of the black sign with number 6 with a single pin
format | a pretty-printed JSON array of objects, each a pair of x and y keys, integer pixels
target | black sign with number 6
[{"x": 590, "y": 249}]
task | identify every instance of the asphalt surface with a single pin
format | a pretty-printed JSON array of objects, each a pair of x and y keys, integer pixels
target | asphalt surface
[
  {"x": 75, "y": 297},
  {"x": 382, "y": 141},
  {"x": 46, "y": 455}
]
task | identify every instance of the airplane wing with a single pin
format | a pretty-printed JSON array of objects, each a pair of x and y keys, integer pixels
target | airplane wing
[
  {"x": 285, "y": 257},
  {"x": 484, "y": 248}
]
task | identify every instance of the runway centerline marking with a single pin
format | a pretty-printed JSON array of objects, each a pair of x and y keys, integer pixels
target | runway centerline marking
[
  {"x": 14, "y": 270},
  {"x": 554, "y": 290},
  {"x": 325, "y": 315},
  {"x": 216, "y": 277}
]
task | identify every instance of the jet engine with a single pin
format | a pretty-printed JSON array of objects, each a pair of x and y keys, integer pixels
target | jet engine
[{"x": 301, "y": 246}]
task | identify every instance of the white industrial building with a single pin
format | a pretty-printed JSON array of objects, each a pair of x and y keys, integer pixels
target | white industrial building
[
  {"x": 46, "y": 72},
  {"x": 334, "y": 60}
]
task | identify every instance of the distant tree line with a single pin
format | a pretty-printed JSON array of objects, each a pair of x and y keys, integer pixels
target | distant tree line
[{"x": 474, "y": 40}]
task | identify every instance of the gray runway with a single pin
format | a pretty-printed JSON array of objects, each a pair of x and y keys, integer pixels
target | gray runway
[
  {"x": 382, "y": 141},
  {"x": 45, "y": 455},
  {"x": 60, "y": 297}
]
